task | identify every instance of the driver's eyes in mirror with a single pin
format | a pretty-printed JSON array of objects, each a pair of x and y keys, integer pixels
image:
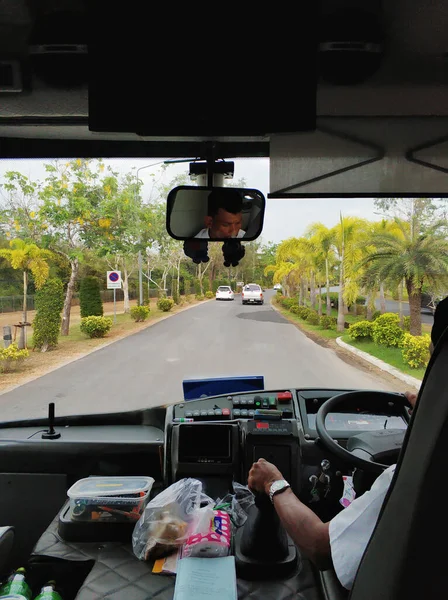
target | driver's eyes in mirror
[{"x": 215, "y": 213}]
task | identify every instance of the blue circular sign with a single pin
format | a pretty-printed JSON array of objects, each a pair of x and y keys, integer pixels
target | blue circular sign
[{"x": 114, "y": 276}]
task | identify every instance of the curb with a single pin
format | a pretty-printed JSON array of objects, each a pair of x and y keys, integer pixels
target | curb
[
  {"x": 380, "y": 364},
  {"x": 84, "y": 354}
]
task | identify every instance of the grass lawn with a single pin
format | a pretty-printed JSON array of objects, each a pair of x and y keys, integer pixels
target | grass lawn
[
  {"x": 324, "y": 333},
  {"x": 391, "y": 356}
]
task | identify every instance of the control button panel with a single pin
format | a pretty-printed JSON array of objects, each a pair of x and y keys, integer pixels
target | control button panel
[{"x": 239, "y": 406}]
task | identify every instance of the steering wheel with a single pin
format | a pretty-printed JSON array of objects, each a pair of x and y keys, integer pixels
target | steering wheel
[{"x": 363, "y": 450}]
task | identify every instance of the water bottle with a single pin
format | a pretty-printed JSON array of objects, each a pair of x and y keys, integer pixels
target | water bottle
[
  {"x": 49, "y": 592},
  {"x": 16, "y": 586}
]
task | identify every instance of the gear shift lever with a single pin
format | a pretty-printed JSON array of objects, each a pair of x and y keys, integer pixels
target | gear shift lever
[{"x": 262, "y": 546}]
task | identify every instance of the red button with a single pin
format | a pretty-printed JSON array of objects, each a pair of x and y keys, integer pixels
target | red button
[
  {"x": 284, "y": 396},
  {"x": 226, "y": 412},
  {"x": 262, "y": 425}
]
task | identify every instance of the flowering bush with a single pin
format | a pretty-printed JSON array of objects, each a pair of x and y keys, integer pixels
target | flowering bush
[
  {"x": 11, "y": 356},
  {"x": 416, "y": 350},
  {"x": 96, "y": 327}
]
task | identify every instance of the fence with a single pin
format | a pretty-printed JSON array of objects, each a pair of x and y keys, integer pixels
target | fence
[{"x": 15, "y": 303}]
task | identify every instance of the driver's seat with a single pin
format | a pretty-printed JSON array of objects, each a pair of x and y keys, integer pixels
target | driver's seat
[{"x": 407, "y": 555}]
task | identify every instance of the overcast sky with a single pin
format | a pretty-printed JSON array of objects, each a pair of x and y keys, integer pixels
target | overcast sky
[{"x": 283, "y": 219}]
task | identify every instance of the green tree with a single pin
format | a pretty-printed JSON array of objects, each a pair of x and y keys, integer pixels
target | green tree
[
  {"x": 90, "y": 298},
  {"x": 414, "y": 256},
  {"x": 49, "y": 302},
  {"x": 69, "y": 199},
  {"x": 350, "y": 237},
  {"x": 323, "y": 240},
  {"x": 30, "y": 259}
]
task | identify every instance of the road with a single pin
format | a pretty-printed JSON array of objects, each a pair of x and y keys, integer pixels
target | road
[{"x": 212, "y": 339}]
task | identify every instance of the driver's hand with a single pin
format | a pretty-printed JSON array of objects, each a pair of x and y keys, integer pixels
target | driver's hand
[
  {"x": 262, "y": 475},
  {"x": 412, "y": 399}
]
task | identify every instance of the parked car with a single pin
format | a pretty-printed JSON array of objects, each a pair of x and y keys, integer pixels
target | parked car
[
  {"x": 225, "y": 292},
  {"x": 277, "y": 286},
  {"x": 252, "y": 294}
]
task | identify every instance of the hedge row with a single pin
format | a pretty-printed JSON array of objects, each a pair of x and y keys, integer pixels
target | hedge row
[{"x": 386, "y": 331}]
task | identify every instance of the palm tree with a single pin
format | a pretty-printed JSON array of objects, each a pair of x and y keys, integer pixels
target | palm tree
[
  {"x": 351, "y": 237},
  {"x": 28, "y": 258},
  {"x": 412, "y": 256},
  {"x": 323, "y": 239},
  {"x": 291, "y": 265}
]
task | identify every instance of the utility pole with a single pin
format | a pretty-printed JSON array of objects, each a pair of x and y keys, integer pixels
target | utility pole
[{"x": 140, "y": 259}]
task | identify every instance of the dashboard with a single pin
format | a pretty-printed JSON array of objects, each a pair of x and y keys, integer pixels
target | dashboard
[{"x": 217, "y": 439}]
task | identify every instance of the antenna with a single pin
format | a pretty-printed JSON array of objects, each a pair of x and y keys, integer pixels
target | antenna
[{"x": 51, "y": 434}]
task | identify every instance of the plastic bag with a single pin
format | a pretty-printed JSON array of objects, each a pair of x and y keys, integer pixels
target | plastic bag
[
  {"x": 237, "y": 505},
  {"x": 164, "y": 525}
]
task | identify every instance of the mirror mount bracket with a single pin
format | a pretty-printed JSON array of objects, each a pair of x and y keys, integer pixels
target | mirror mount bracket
[{"x": 233, "y": 251}]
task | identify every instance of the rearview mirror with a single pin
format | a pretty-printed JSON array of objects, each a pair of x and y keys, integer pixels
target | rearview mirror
[{"x": 214, "y": 214}]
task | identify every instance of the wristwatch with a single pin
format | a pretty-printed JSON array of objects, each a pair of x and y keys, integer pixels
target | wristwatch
[{"x": 277, "y": 487}]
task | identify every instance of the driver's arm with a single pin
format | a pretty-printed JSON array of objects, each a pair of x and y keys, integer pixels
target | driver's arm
[{"x": 305, "y": 528}]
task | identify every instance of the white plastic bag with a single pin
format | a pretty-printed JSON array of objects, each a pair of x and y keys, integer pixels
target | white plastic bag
[{"x": 165, "y": 523}]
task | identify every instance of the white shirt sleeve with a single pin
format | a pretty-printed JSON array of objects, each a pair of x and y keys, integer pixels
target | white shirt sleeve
[
  {"x": 203, "y": 234},
  {"x": 351, "y": 529}
]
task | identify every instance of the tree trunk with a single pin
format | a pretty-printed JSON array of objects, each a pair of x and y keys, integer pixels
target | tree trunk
[
  {"x": 313, "y": 291},
  {"x": 127, "y": 307},
  {"x": 65, "y": 327},
  {"x": 178, "y": 278},
  {"x": 400, "y": 302},
  {"x": 301, "y": 294},
  {"x": 415, "y": 304},
  {"x": 341, "y": 316},
  {"x": 328, "y": 287},
  {"x": 369, "y": 311},
  {"x": 22, "y": 338},
  {"x": 382, "y": 299},
  {"x": 320, "y": 301}
]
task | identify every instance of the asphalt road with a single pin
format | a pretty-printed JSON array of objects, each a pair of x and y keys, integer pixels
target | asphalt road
[
  {"x": 212, "y": 339},
  {"x": 392, "y": 306}
]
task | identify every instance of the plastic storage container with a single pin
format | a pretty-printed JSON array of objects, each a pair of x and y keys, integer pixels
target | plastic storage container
[{"x": 109, "y": 499}]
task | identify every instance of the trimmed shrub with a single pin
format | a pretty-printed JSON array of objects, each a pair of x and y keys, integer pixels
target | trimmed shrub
[
  {"x": 361, "y": 310},
  {"x": 197, "y": 286},
  {"x": 295, "y": 310},
  {"x": 139, "y": 313},
  {"x": 49, "y": 302},
  {"x": 407, "y": 323},
  {"x": 176, "y": 299},
  {"x": 387, "y": 319},
  {"x": 327, "y": 322},
  {"x": 90, "y": 298},
  {"x": 165, "y": 304},
  {"x": 387, "y": 331},
  {"x": 416, "y": 350},
  {"x": 334, "y": 299},
  {"x": 11, "y": 356},
  {"x": 361, "y": 300},
  {"x": 362, "y": 330},
  {"x": 288, "y": 302},
  {"x": 95, "y": 326},
  {"x": 376, "y": 314},
  {"x": 209, "y": 295},
  {"x": 313, "y": 318},
  {"x": 199, "y": 297},
  {"x": 304, "y": 312}
]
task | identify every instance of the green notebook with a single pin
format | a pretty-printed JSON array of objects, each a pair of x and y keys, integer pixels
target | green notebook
[{"x": 208, "y": 578}]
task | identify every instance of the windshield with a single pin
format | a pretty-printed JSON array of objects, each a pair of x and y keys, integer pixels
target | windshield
[{"x": 88, "y": 270}]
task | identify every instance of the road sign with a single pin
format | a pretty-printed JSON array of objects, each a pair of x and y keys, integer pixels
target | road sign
[{"x": 113, "y": 280}]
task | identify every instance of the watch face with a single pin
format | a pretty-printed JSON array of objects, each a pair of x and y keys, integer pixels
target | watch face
[{"x": 277, "y": 486}]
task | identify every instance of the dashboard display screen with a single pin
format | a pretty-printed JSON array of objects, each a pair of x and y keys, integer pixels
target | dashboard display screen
[
  {"x": 205, "y": 444},
  {"x": 357, "y": 421}
]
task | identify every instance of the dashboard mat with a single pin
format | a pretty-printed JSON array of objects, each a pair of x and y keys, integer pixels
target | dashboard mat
[{"x": 117, "y": 573}]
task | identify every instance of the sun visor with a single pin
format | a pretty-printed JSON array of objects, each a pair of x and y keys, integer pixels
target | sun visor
[
  {"x": 362, "y": 157},
  {"x": 159, "y": 73}
]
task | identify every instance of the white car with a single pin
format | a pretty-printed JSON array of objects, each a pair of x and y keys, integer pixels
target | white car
[
  {"x": 252, "y": 294},
  {"x": 278, "y": 286},
  {"x": 224, "y": 292}
]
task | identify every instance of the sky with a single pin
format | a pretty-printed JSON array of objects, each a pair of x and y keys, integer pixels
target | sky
[{"x": 283, "y": 218}]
